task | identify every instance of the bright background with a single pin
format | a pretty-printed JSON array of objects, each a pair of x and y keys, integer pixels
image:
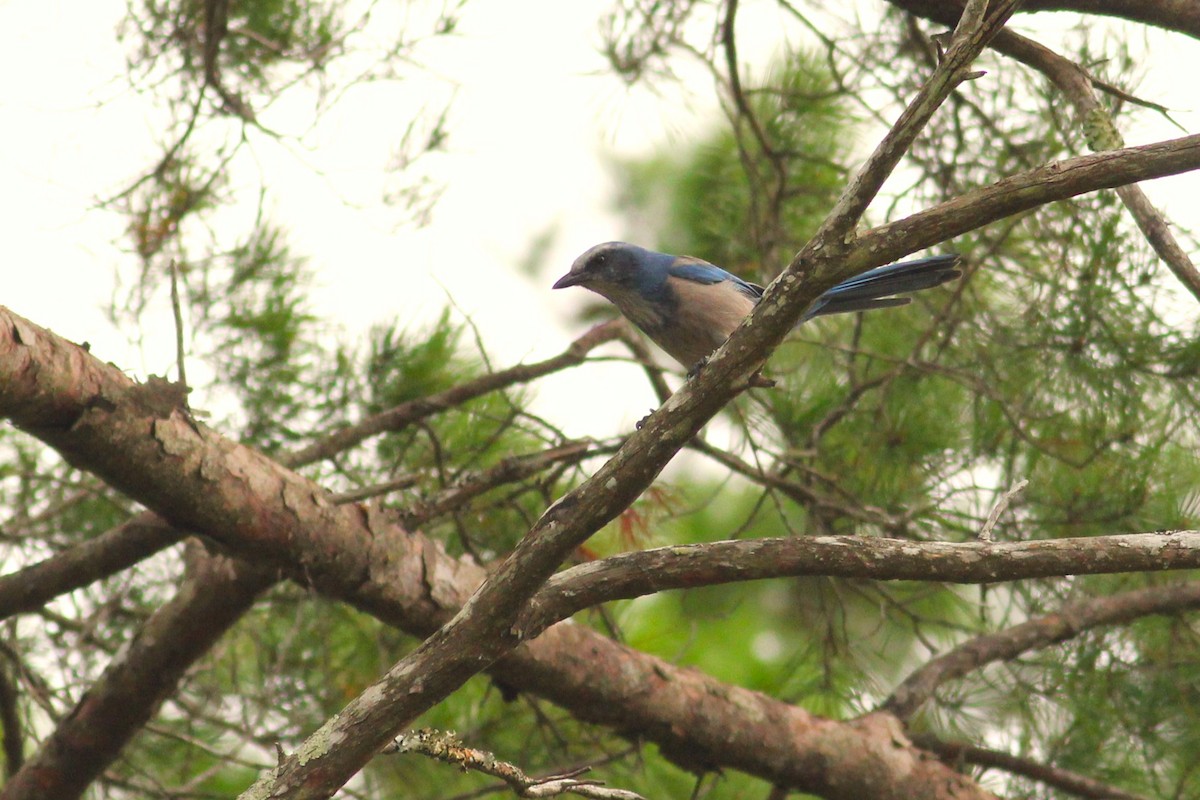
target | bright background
[{"x": 536, "y": 115}]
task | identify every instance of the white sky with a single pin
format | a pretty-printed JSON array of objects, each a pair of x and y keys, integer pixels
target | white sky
[{"x": 534, "y": 108}]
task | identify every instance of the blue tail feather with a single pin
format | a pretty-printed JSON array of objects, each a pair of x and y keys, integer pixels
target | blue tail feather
[{"x": 877, "y": 288}]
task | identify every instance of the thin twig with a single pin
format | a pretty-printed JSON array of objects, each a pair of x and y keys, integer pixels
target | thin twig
[
  {"x": 407, "y": 413},
  {"x": 449, "y": 748},
  {"x": 175, "y": 307},
  {"x": 985, "y": 534}
]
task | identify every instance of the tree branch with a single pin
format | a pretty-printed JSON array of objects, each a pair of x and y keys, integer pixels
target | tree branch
[
  {"x": 968, "y": 41},
  {"x": 510, "y": 470},
  {"x": 449, "y": 748},
  {"x": 1051, "y": 629},
  {"x": 116, "y": 549},
  {"x": 1182, "y": 16},
  {"x": 407, "y": 413},
  {"x": 1076, "y": 86},
  {"x": 11, "y": 729},
  {"x": 1024, "y": 191},
  {"x": 1066, "y": 780},
  {"x": 629, "y": 575}
]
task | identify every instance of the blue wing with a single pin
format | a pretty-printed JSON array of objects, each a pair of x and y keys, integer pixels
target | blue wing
[
  {"x": 876, "y": 288},
  {"x": 693, "y": 269}
]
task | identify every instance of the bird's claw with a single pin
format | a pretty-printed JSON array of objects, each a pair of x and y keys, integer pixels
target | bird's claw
[{"x": 695, "y": 370}]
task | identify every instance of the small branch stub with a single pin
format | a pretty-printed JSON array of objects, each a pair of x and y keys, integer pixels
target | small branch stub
[{"x": 985, "y": 533}]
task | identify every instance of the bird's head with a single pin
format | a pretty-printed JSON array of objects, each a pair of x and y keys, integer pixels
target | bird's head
[{"x": 612, "y": 266}]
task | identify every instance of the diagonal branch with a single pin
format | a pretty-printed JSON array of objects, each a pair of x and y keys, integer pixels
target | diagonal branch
[
  {"x": 408, "y": 413},
  {"x": 112, "y": 551},
  {"x": 1066, "y": 780},
  {"x": 1051, "y": 629}
]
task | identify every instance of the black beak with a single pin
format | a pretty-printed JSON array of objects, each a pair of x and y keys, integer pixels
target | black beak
[{"x": 570, "y": 279}]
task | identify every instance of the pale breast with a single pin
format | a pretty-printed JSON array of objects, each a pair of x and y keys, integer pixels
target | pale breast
[{"x": 703, "y": 316}]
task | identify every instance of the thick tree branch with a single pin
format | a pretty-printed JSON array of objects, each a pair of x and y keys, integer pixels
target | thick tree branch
[
  {"x": 686, "y": 566},
  {"x": 1044, "y": 631}
]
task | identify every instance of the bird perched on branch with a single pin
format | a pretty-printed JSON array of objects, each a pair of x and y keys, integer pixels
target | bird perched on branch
[{"x": 689, "y": 307}]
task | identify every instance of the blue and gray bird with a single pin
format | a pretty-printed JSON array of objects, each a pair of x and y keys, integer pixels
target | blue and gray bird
[{"x": 689, "y": 307}]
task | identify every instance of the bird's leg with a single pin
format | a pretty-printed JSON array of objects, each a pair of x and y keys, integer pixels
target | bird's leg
[{"x": 695, "y": 370}]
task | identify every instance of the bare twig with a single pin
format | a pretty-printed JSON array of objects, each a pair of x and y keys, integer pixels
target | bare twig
[
  {"x": 509, "y": 470},
  {"x": 985, "y": 533},
  {"x": 449, "y": 748},
  {"x": 414, "y": 410},
  {"x": 178, "y": 312},
  {"x": 376, "y": 490}
]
